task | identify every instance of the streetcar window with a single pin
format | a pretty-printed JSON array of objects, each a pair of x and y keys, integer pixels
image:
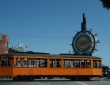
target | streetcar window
[
  {"x": 95, "y": 63},
  {"x": 10, "y": 62},
  {"x": 52, "y": 62},
  {"x": 88, "y": 64},
  {"x": 66, "y": 63},
  {"x": 40, "y": 62},
  {"x": 72, "y": 63},
  {"x": 58, "y": 62},
  {"x": 3, "y": 61},
  {"x": 83, "y": 63},
  {"x": 19, "y": 58},
  {"x": 25, "y": 62},
  {"x": 37, "y": 62},
  {"x": 6, "y": 62},
  {"x": 77, "y": 63},
  {"x": 19, "y": 62},
  {"x": 99, "y": 63},
  {"x": 44, "y": 62},
  {"x": 31, "y": 62}
]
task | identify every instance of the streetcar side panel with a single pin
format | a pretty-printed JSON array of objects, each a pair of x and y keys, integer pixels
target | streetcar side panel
[{"x": 86, "y": 66}]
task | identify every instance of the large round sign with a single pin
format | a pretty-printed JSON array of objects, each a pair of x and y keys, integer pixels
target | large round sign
[{"x": 84, "y": 42}]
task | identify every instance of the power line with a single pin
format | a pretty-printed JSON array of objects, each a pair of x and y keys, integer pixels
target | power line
[
  {"x": 38, "y": 36},
  {"x": 45, "y": 37}
]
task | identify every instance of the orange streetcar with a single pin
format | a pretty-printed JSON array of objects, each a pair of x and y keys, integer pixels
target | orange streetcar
[{"x": 30, "y": 66}]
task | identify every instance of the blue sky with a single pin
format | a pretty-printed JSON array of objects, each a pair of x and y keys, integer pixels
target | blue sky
[{"x": 54, "y": 18}]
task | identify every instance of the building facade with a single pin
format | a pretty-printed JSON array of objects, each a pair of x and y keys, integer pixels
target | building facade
[{"x": 4, "y": 44}]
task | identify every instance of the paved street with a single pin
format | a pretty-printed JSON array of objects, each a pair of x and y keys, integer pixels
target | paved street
[{"x": 55, "y": 82}]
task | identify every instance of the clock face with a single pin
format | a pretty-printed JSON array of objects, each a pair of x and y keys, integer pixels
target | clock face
[{"x": 83, "y": 42}]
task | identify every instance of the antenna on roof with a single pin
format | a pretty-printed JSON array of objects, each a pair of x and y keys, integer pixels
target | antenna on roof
[{"x": 20, "y": 45}]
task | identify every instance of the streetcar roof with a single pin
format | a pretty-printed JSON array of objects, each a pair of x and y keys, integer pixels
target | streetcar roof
[{"x": 49, "y": 55}]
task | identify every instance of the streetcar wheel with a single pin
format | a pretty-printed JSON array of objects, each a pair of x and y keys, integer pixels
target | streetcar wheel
[
  {"x": 15, "y": 78},
  {"x": 73, "y": 79},
  {"x": 88, "y": 78},
  {"x": 31, "y": 78}
]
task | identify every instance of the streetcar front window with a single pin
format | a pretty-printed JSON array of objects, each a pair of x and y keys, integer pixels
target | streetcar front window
[
  {"x": 97, "y": 63},
  {"x": 4, "y": 61}
]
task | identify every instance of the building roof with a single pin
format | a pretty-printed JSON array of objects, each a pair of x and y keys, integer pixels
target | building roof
[{"x": 17, "y": 50}]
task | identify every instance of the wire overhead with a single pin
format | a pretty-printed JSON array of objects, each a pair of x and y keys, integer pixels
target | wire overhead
[
  {"x": 38, "y": 36},
  {"x": 43, "y": 36}
]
